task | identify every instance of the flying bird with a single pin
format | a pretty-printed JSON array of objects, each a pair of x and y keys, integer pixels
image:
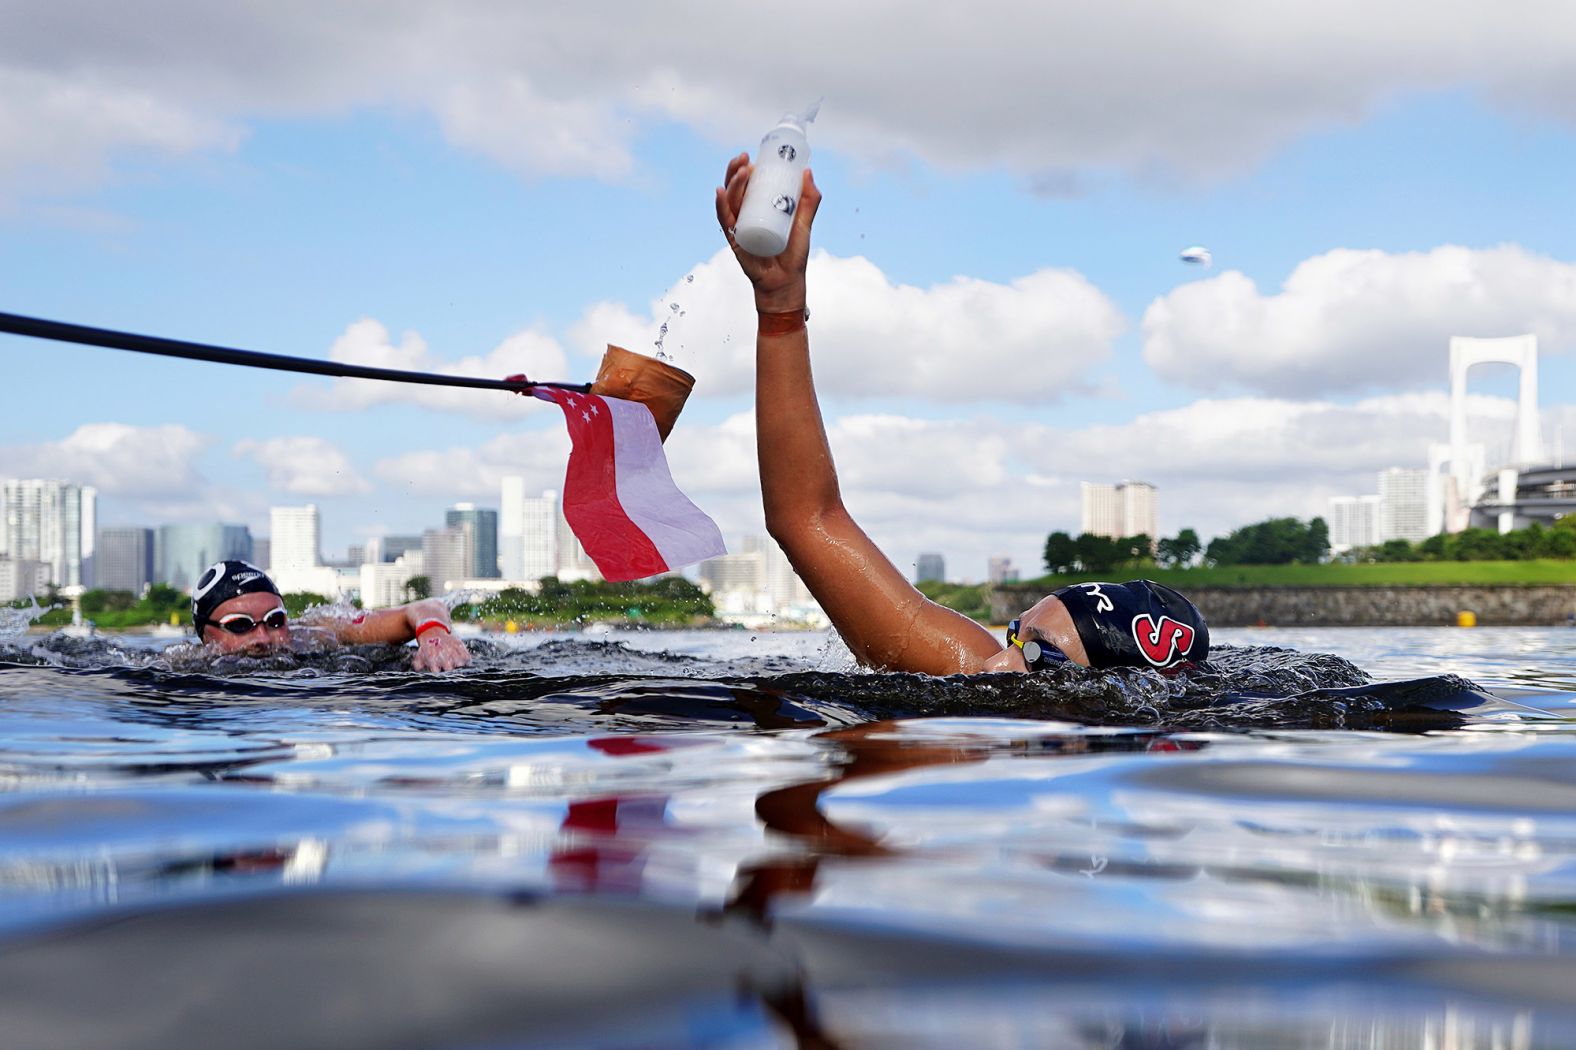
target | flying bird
[{"x": 1198, "y": 255}]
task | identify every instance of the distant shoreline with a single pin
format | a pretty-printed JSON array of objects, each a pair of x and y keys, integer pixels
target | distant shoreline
[{"x": 1349, "y": 605}]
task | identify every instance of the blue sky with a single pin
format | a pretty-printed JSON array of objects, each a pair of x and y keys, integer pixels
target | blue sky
[{"x": 1000, "y": 311}]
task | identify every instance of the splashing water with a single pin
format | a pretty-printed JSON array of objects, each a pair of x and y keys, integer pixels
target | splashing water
[
  {"x": 674, "y": 309},
  {"x": 15, "y": 622}
]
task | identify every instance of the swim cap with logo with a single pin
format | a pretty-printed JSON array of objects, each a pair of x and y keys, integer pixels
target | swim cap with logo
[
  {"x": 222, "y": 581},
  {"x": 1135, "y": 624}
]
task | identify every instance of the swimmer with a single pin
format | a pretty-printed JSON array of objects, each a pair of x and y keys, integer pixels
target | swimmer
[
  {"x": 237, "y": 608},
  {"x": 886, "y": 622}
]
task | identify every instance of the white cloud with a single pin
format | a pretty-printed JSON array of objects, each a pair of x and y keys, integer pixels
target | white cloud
[
  {"x": 1046, "y": 90},
  {"x": 1354, "y": 320},
  {"x": 304, "y": 466},
  {"x": 367, "y": 342},
  {"x": 462, "y": 472},
  {"x": 145, "y": 475},
  {"x": 54, "y": 126},
  {"x": 1030, "y": 340},
  {"x": 117, "y": 458}
]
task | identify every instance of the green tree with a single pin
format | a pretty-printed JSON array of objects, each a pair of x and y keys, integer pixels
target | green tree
[
  {"x": 1061, "y": 553},
  {"x": 417, "y": 588},
  {"x": 95, "y": 602},
  {"x": 298, "y": 602},
  {"x": 163, "y": 596},
  {"x": 1394, "y": 550},
  {"x": 1097, "y": 553},
  {"x": 1478, "y": 545},
  {"x": 1179, "y": 552},
  {"x": 1136, "y": 552},
  {"x": 1318, "y": 545},
  {"x": 1278, "y": 541}
]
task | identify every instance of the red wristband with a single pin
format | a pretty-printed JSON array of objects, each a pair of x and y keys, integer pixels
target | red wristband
[
  {"x": 428, "y": 625},
  {"x": 785, "y": 323}
]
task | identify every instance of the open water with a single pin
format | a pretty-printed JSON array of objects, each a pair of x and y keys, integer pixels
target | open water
[{"x": 726, "y": 839}]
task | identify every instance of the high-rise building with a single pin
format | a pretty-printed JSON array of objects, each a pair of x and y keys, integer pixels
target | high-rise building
[
  {"x": 1403, "y": 504},
  {"x": 739, "y": 573},
  {"x": 482, "y": 523},
  {"x": 295, "y": 553},
  {"x": 573, "y": 561},
  {"x": 296, "y": 542},
  {"x": 1128, "y": 508},
  {"x": 756, "y": 583},
  {"x": 262, "y": 551},
  {"x": 52, "y": 522},
  {"x": 124, "y": 561},
  {"x": 1000, "y": 569},
  {"x": 539, "y": 536},
  {"x": 383, "y": 583},
  {"x": 930, "y": 566},
  {"x": 446, "y": 556},
  {"x": 527, "y": 532},
  {"x": 182, "y": 552},
  {"x": 394, "y": 546},
  {"x": 20, "y": 577},
  {"x": 1354, "y": 522},
  {"x": 511, "y": 528}
]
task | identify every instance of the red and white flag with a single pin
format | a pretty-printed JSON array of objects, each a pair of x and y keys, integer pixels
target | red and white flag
[{"x": 619, "y": 498}]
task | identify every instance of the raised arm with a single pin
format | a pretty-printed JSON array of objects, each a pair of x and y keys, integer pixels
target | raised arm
[{"x": 884, "y": 620}]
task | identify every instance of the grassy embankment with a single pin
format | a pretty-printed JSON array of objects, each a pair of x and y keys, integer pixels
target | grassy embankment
[{"x": 970, "y": 600}]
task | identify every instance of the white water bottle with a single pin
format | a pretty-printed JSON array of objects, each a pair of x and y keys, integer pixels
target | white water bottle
[{"x": 766, "y": 217}]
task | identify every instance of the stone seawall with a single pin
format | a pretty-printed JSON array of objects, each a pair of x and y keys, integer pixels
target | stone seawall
[{"x": 1528, "y": 606}]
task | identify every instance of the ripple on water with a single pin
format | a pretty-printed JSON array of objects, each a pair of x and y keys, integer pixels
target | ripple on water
[{"x": 1274, "y": 850}]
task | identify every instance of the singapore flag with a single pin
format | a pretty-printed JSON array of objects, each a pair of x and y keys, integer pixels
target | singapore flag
[{"x": 619, "y": 498}]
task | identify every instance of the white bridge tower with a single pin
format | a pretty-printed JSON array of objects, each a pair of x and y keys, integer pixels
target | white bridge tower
[{"x": 1466, "y": 461}]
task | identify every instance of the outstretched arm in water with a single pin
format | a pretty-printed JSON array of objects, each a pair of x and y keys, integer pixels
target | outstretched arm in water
[
  {"x": 436, "y": 648},
  {"x": 884, "y": 620}
]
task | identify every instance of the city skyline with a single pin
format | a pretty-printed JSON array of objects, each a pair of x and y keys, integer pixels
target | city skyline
[
  {"x": 754, "y": 584},
  {"x": 999, "y": 307}
]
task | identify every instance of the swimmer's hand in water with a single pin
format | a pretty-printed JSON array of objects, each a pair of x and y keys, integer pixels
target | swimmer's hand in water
[
  {"x": 778, "y": 281},
  {"x": 438, "y": 650}
]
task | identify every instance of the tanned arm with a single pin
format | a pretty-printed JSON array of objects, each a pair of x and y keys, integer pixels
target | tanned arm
[
  {"x": 885, "y": 621},
  {"x": 436, "y": 650}
]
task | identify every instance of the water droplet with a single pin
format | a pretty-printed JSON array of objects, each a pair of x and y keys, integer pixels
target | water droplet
[
  {"x": 674, "y": 307},
  {"x": 683, "y": 312},
  {"x": 689, "y": 278}
]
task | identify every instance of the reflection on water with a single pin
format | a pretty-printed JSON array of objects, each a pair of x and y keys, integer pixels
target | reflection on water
[{"x": 714, "y": 839}]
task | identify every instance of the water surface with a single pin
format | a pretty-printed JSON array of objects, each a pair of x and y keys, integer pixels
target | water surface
[{"x": 732, "y": 839}]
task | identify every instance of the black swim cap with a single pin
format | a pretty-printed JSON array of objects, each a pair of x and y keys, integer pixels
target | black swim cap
[
  {"x": 222, "y": 581},
  {"x": 1136, "y": 624}
]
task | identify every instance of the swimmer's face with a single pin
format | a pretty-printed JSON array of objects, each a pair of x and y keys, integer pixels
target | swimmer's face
[
  {"x": 260, "y": 637},
  {"x": 1046, "y": 621}
]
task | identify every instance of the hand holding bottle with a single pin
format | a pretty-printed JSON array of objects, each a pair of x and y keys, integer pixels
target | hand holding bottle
[{"x": 779, "y": 279}]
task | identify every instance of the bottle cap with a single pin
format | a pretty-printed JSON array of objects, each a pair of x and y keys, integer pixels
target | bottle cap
[
  {"x": 659, "y": 386},
  {"x": 798, "y": 121}
]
